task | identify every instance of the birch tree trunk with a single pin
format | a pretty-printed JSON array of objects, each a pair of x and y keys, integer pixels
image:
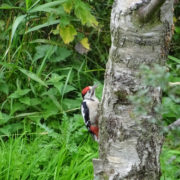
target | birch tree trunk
[{"x": 141, "y": 31}]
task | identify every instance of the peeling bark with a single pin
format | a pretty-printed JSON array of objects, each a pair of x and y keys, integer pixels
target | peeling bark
[{"x": 130, "y": 149}]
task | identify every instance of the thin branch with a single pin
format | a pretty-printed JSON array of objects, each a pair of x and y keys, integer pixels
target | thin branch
[
  {"x": 145, "y": 13},
  {"x": 174, "y": 125},
  {"x": 174, "y": 83}
]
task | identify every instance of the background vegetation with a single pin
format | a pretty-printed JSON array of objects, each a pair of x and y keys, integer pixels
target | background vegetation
[{"x": 44, "y": 65}]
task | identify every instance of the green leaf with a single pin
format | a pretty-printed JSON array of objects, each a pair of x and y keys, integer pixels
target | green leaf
[
  {"x": 177, "y": 30},
  {"x": 174, "y": 152},
  {"x": 35, "y": 101},
  {"x": 11, "y": 128},
  {"x": 55, "y": 78},
  {"x": 57, "y": 11},
  {"x": 51, "y": 132},
  {"x": 7, "y": 6},
  {"x": 42, "y": 50},
  {"x": 37, "y": 1},
  {"x": 64, "y": 21},
  {"x": 51, "y": 95},
  {"x": 28, "y": 3},
  {"x": 85, "y": 43},
  {"x": 16, "y": 23},
  {"x": 18, "y": 93},
  {"x": 68, "y": 88},
  {"x": 17, "y": 107},
  {"x": 49, "y": 52},
  {"x": 174, "y": 59},
  {"x": 49, "y": 108},
  {"x": 70, "y": 103},
  {"x": 61, "y": 54},
  {"x": 4, "y": 118},
  {"x": 36, "y": 118},
  {"x": 170, "y": 109},
  {"x": 33, "y": 76},
  {"x": 25, "y": 100},
  {"x": 46, "y": 41},
  {"x": 2, "y": 25},
  {"x": 35, "y": 28},
  {"x": 68, "y": 33},
  {"x": 68, "y": 5},
  {"x": 66, "y": 84},
  {"x": 43, "y": 7},
  {"x": 10, "y": 66},
  {"x": 4, "y": 87},
  {"x": 63, "y": 88},
  {"x": 82, "y": 12}
]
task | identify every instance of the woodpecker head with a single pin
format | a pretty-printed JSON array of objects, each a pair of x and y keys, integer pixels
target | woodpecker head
[{"x": 89, "y": 92}]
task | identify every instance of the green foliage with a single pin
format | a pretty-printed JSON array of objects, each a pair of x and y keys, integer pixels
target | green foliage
[
  {"x": 48, "y": 155},
  {"x": 157, "y": 77},
  {"x": 41, "y": 77}
]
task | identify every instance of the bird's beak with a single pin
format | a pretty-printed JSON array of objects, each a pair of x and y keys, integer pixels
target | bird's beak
[{"x": 93, "y": 89}]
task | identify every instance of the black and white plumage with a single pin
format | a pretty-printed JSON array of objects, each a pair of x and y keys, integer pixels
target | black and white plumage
[
  {"x": 85, "y": 114},
  {"x": 89, "y": 110}
]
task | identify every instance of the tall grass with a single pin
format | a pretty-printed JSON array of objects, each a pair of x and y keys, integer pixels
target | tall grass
[
  {"x": 48, "y": 155},
  {"x": 45, "y": 158}
]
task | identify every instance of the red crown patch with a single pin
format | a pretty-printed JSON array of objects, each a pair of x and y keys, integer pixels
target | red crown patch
[{"x": 85, "y": 90}]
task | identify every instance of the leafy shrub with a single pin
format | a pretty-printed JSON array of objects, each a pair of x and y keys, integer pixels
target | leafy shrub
[{"x": 41, "y": 73}]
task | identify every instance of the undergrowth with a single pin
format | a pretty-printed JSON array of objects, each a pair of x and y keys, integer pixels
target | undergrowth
[{"x": 49, "y": 155}]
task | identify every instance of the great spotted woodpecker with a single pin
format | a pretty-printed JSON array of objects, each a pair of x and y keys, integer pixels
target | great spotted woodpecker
[{"x": 89, "y": 110}]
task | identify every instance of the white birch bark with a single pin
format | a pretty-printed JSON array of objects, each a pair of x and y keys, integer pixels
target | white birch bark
[{"x": 130, "y": 149}]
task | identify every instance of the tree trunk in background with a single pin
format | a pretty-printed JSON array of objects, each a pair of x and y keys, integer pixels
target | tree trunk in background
[{"x": 130, "y": 149}]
